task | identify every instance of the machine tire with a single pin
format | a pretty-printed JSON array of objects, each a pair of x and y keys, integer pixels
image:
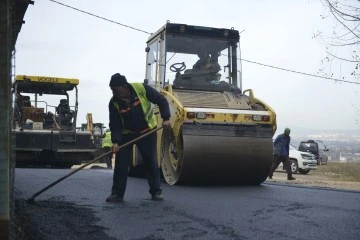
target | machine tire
[
  {"x": 168, "y": 148},
  {"x": 294, "y": 166},
  {"x": 304, "y": 171}
]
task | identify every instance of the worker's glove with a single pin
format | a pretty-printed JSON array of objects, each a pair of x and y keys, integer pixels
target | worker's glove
[{"x": 115, "y": 148}]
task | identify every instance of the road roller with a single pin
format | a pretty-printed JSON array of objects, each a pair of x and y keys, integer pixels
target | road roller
[{"x": 219, "y": 132}]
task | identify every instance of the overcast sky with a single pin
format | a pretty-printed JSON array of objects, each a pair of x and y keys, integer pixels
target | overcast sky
[{"x": 61, "y": 42}]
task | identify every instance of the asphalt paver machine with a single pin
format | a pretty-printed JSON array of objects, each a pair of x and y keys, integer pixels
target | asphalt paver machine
[{"x": 44, "y": 123}]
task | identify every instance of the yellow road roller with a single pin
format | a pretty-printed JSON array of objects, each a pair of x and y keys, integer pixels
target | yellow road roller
[{"x": 220, "y": 133}]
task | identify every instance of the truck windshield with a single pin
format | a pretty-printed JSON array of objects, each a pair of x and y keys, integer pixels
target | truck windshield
[
  {"x": 201, "y": 63},
  {"x": 308, "y": 147}
]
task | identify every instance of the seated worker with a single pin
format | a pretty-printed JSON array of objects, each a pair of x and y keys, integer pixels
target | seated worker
[
  {"x": 63, "y": 107},
  {"x": 207, "y": 63},
  {"x": 63, "y": 110}
]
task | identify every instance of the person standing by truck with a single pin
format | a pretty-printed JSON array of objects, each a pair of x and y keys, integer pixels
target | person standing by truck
[
  {"x": 131, "y": 115},
  {"x": 281, "y": 154}
]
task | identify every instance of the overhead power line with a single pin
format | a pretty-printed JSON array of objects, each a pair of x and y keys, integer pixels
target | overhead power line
[
  {"x": 306, "y": 74},
  {"x": 94, "y": 15},
  {"x": 261, "y": 64}
]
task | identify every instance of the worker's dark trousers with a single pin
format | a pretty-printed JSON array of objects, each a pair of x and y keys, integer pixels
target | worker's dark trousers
[
  {"x": 275, "y": 163},
  {"x": 147, "y": 148}
]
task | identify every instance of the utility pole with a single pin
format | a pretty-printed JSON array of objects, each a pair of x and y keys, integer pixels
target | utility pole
[{"x": 6, "y": 180}]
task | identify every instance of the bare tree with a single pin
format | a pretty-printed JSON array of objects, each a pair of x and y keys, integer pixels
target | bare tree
[{"x": 343, "y": 41}]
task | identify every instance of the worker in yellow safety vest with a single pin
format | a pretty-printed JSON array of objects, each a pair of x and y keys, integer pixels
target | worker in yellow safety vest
[{"x": 130, "y": 116}]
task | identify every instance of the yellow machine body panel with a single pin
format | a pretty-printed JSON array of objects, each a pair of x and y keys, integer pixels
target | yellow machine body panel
[
  {"x": 24, "y": 78},
  {"x": 210, "y": 145}
]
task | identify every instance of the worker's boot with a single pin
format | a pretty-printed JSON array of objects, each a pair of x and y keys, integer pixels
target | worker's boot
[
  {"x": 291, "y": 178},
  {"x": 114, "y": 198},
  {"x": 157, "y": 197}
]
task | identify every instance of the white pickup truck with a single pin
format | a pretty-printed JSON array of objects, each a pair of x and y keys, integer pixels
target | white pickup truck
[{"x": 301, "y": 162}]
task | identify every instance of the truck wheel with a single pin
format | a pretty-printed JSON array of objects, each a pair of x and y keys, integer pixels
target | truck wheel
[
  {"x": 294, "y": 166},
  {"x": 304, "y": 171}
]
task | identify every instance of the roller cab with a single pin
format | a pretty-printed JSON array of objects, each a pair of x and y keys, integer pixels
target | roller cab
[{"x": 220, "y": 133}]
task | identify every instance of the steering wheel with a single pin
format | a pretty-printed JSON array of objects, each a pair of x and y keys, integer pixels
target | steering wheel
[{"x": 178, "y": 67}]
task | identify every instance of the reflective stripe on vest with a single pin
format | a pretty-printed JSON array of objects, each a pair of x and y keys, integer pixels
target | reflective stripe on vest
[{"x": 145, "y": 105}]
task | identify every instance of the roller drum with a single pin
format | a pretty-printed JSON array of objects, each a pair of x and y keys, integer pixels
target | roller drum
[{"x": 211, "y": 159}]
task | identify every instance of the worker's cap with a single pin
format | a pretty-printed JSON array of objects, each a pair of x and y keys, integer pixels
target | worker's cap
[
  {"x": 118, "y": 80},
  {"x": 287, "y": 131}
]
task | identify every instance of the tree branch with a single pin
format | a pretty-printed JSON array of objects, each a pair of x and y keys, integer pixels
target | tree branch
[
  {"x": 342, "y": 13},
  {"x": 343, "y": 59},
  {"x": 331, "y": 9}
]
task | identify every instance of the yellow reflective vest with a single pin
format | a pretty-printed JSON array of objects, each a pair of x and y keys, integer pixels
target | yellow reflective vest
[
  {"x": 107, "y": 140},
  {"x": 145, "y": 105}
]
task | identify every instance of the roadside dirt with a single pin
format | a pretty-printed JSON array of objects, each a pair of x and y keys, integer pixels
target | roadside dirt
[{"x": 314, "y": 179}]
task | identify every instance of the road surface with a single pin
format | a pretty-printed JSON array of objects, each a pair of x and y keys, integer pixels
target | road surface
[{"x": 76, "y": 209}]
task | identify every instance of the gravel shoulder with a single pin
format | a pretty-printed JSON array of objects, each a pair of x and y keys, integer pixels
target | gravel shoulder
[{"x": 314, "y": 179}]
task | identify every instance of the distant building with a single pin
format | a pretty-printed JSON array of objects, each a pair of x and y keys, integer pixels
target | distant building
[{"x": 349, "y": 157}]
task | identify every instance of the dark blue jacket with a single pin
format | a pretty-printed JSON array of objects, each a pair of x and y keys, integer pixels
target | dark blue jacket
[
  {"x": 134, "y": 120},
  {"x": 282, "y": 145}
]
